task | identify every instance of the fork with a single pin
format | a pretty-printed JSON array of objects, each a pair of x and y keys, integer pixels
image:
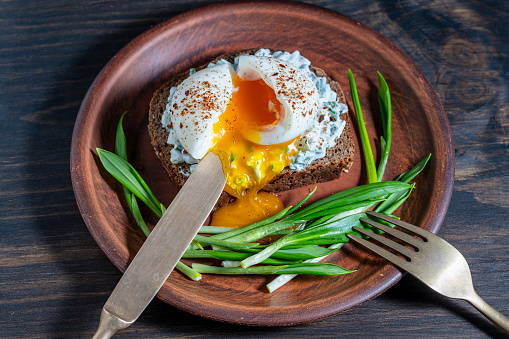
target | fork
[{"x": 433, "y": 261}]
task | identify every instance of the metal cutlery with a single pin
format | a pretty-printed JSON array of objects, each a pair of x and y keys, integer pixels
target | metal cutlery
[
  {"x": 431, "y": 259},
  {"x": 163, "y": 248}
]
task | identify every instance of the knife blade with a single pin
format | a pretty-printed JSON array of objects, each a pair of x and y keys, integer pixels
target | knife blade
[{"x": 164, "y": 247}]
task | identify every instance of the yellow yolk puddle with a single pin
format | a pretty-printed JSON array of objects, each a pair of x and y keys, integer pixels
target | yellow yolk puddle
[{"x": 253, "y": 107}]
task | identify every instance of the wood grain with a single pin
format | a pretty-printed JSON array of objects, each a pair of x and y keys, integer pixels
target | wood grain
[{"x": 54, "y": 279}]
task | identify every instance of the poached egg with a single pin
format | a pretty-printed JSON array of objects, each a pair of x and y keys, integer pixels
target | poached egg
[{"x": 252, "y": 119}]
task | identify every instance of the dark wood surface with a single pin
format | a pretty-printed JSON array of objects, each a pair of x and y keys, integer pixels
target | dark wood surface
[{"x": 54, "y": 279}]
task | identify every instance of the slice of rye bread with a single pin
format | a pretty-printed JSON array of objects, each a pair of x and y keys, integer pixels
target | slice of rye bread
[{"x": 337, "y": 159}]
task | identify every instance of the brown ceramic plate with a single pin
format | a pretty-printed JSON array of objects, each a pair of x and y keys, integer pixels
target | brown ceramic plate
[{"x": 331, "y": 41}]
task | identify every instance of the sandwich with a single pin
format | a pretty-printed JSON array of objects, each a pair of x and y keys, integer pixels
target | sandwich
[{"x": 274, "y": 119}]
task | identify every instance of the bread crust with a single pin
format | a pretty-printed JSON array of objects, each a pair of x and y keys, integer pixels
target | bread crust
[{"x": 338, "y": 159}]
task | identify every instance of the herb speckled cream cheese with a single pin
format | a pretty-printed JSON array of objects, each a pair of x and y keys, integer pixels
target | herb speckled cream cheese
[{"x": 313, "y": 145}]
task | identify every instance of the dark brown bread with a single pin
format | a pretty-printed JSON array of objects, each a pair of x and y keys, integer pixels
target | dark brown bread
[{"x": 337, "y": 159}]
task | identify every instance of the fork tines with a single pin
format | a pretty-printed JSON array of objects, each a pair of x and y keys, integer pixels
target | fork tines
[
  {"x": 405, "y": 251},
  {"x": 412, "y": 228}
]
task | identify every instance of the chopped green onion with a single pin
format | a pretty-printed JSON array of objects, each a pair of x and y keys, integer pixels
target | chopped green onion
[
  {"x": 188, "y": 271},
  {"x": 303, "y": 268},
  {"x": 232, "y": 256},
  {"x": 135, "y": 210},
  {"x": 352, "y": 195},
  {"x": 410, "y": 174},
  {"x": 395, "y": 205},
  {"x": 214, "y": 229},
  {"x": 230, "y": 263},
  {"x": 132, "y": 203},
  {"x": 396, "y": 199},
  {"x": 333, "y": 230},
  {"x": 237, "y": 270},
  {"x": 120, "y": 140},
  {"x": 341, "y": 215},
  {"x": 363, "y": 205},
  {"x": 295, "y": 253},
  {"x": 366, "y": 146},
  {"x": 262, "y": 231},
  {"x": 223, "y": 243},
  {"x": 384, "y": 101},
  {"x": 315, "y": 268},
  {"x": 284, "y": 278},
  {"x": 244, "y": 229},
  {"x": 302, "y": 201},
  {"x": 129, "y": 177}
]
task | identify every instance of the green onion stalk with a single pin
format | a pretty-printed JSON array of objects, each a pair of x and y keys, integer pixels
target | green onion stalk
[{"x": 365, "y": 144}]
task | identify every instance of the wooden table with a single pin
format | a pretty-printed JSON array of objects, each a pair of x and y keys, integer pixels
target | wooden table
[{"x": 54, "y": 279}]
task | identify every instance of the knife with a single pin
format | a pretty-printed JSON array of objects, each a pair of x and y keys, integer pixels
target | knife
[{"x": 163, "y": 248}]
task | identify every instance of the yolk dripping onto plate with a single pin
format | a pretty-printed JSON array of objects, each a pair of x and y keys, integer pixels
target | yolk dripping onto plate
[{"x": 253, "y": 108}]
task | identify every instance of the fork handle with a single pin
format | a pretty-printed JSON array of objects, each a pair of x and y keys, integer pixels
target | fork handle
[{"x": 489, "y": 312}]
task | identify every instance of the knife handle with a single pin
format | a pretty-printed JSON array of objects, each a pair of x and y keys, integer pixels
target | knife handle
[{"x": 109, "y": 325}]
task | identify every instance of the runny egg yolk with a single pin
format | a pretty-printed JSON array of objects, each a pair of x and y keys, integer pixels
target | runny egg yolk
[{"x": 253, "y": 108}]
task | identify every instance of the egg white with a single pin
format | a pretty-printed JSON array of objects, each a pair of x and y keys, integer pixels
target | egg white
[
  {"x": 295, "y": 91},
  {"x": 197, "y": 104}
]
